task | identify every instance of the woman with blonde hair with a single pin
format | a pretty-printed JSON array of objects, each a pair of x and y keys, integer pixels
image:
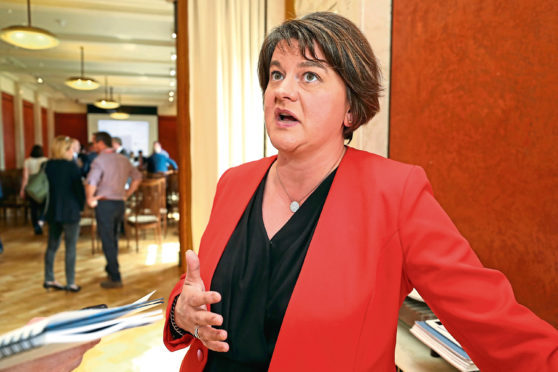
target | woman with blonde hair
[{"x": 66, "y": 200}]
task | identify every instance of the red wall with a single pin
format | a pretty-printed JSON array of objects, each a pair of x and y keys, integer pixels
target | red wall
[
  {"x": 44, "y": 131},
  {"x": 28, "y": 128},
  {"x": 473, "y": 100},
  {"x": 167, "y": 135},
  {"x": 72, "y": 125},
  {"x": 8, "y": 124}
]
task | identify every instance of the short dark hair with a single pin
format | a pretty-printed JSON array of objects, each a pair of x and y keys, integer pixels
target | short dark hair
[
  {"x": 346, "y": 51},
  {"x": 37, "y": 151},
  {"x": 117, "y": 140},
  {"x": 103, "y": 137}
]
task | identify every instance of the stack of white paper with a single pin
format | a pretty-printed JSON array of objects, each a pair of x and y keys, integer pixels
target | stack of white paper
[
  {"x": 68, "y": 329},
  {"x": 433, "y": 334}
]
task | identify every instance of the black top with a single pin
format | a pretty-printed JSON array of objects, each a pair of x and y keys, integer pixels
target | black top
[
  {"x": 256, "y": 277},
  {"x": 65, "y": 190}
]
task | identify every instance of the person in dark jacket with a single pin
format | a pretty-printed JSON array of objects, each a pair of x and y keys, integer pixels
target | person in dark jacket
[{"x": 66, "y": 201}]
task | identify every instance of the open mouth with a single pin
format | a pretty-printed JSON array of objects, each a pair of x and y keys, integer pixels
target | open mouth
[{"x": 285, "y": 116}]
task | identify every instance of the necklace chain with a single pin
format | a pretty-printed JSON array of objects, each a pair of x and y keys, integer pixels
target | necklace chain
[{"x": 294, "y": 204}]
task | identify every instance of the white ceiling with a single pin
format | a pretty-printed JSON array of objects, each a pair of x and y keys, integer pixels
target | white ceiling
[{"x": 128, "y": 41}]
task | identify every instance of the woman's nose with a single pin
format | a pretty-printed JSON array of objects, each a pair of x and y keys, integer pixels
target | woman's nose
[{"x": 287, "y": 89}]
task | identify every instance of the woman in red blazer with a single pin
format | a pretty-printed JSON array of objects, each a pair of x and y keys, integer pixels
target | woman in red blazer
[{"x": 308, "y": 256}]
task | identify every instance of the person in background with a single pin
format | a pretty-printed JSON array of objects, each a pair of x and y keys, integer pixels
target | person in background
[
  {"x": 31, "y": 166},
  {"x": 308, "y": 255},
  {"x": 66, "y": 201},
  {"x": 117, "y": 146},
  {"x": 159, "y": 161},
  {"x": 141, "y": 161},
  {"x": 87, "y": 158},
  {"x": 76, "y": 148},
  {"x": 106, "y": 192}
]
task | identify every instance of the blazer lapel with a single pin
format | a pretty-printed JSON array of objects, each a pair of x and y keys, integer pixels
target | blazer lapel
[{"x": 230, "y": 202}]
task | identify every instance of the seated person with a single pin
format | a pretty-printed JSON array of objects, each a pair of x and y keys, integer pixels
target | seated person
[{"x": 159, "y": 161}]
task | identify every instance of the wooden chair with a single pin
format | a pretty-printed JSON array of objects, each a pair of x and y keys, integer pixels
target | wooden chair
[
  {"x": 11, "y": 183},
  {"x": 145, "y": 208},
  {"x": 88, "y": 221},
  {"x": 172, "y": 193}
]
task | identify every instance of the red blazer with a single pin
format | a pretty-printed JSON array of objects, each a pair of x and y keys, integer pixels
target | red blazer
[{"x": 381, "y": 233}]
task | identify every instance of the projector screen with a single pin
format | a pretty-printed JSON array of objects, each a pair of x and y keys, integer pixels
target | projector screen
[{"x": 137, "y": 133}]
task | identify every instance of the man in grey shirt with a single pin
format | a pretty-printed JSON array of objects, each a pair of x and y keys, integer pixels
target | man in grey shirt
[{"x": 106, "y": 192}]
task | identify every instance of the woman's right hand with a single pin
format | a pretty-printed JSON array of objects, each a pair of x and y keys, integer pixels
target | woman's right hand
[{"x": 191, "y": 308}]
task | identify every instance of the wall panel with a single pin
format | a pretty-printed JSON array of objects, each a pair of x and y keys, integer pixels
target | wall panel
[
  {"x": 72, "y": 125},
  {"x": 8, "y": 124},
  {"x": 167, "y": 135},
  {"x": 473, "y": 100},
  {"x": 28, "y": 128},
  {"x": 44, "y": 130}
]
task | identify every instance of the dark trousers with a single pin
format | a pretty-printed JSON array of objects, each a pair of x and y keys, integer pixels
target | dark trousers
[
  {"x": 110, "y": 215},
  {"x": 71, "y": 234},
  {"x": 37, "y": 212}
]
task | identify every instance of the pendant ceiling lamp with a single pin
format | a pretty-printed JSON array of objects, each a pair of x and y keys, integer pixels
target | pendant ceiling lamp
[
  {"x": 119, "y": 114},
  {"x": 29, "y": 37},
  {"x": 81, "y": 82},
  {"x": 107, "y": 103}
]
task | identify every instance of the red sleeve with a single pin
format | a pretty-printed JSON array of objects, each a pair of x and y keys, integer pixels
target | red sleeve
[
  {"x": 170, "y": 342},
  {"x": 476, "y": 304}
]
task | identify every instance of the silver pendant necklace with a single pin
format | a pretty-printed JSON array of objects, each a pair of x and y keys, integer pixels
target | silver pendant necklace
[{"x": 295, "y": 205}]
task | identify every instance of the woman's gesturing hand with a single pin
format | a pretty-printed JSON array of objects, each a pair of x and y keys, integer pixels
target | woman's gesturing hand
[{"x": 191, "y": 308}]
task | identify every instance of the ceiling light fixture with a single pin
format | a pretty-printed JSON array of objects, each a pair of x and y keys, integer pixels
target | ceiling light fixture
[
  {"x": 119, "y": 115},
  {"x": 40, "y": 80},
  {"x": 172, "y": 72},
  {"x": 173, "y": 56},
  {"x": 106, "y": 103},
  {"x": 29, "y": 37},
  {"x": 81, "y": 82}
]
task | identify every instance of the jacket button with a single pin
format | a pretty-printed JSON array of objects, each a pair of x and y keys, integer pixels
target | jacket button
[{"x": 200, "y": 355}]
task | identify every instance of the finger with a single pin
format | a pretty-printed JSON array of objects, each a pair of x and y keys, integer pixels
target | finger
[
  {"x": 207, "y": 334},
  {"x": 219, "y": 346},
  {"x": 197, "y": 299},
  {"x": 206, "y": 318},
  {"x": 193, "y": 268}
]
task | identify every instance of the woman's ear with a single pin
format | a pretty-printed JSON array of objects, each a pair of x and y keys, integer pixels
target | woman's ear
[{"x": 348, "y": 121}]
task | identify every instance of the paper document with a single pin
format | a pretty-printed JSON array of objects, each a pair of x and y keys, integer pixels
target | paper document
[{"x": 70, "y": 328}]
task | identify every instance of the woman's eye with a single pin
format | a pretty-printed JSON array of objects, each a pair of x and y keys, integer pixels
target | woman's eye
[
  {"x": 310, "y": 77},
  {"x": 276, "y": 75}
]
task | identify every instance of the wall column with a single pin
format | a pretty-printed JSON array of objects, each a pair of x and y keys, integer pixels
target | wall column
[
  {"x": 37, "y": 122},
  {"x": 50, "y": 121}
]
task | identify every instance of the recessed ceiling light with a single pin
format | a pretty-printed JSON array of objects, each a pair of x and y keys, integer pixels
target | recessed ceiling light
[
  {"x": 173, "y": 35},
  {"x": 40, "y": 80},
  {"x": 172, "y": 72},
  {"x": 171, "y": 93},
  {"x": 171, "y": 99},
  {"x": 172, "y": 83},
  {"x": 173, "y": 56}
]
